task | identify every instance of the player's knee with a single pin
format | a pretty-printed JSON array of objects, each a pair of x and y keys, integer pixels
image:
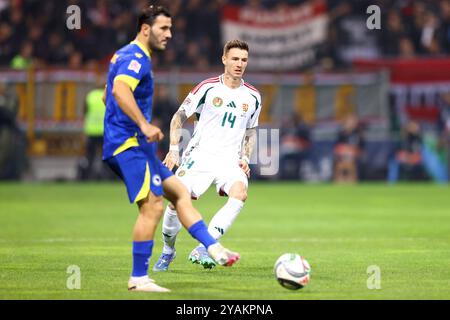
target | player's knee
[
  {"x": 183, "y": 203},
  {"x": 159, "y": 206},
  {"x": 239, "y": 192},
  {"x": 242, "y": 196},
  {"x": 183, "y": 198},
  {"x": 152, "y": 207}
]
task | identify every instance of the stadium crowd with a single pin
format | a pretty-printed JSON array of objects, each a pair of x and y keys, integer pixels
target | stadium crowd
[{"x": 33, "y": 31}]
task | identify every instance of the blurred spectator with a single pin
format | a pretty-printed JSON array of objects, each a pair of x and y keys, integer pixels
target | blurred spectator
[
  {"x": 195, "y": 16},
  {"x": 35, "y": 36},
  {"x": 406, "y": 48},
  {"x": 24, "y": 59},
  {"x": 12, "y": 141},
  {"x": 56, "y": 51},
  {"x": 412, "y": 28},
  {"x": 392, "y": 34},
  {"x": 75, "y": 60},
  {"x": 349, "y": 37},
  {"x": 8, "y": 108},
  {"x": 416, "y": 23},
  {"x": 295, "y": 146},
  {"x": 429, "y": 36},
  {"x": 92, "y": 167},
  {"x": 163, "y": 111},
  {"x": 444, "y": 127},
  {"x": 349, "y": 155},
  {"x": 3, "y": 4},
  {"x": 444, "y": 115},
  {"x": 407, "y": 162},
  {"x": 7, "y": 44},
  {"x": 445, "y": 25}
]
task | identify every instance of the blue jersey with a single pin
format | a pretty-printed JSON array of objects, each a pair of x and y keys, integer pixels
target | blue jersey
[{"x": 132, "y": 65}]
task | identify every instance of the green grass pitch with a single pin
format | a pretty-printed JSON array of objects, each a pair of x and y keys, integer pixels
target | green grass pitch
[{"x": 340, "y": 230}]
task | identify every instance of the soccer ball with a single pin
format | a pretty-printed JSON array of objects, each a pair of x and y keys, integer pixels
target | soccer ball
[{"x": 292, "y": 271}]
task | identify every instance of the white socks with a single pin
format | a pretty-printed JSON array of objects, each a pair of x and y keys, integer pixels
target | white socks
[
  {"x": 171, "y": 228},
  {"x": 140, "y": 279},
  {"x": 224, "y": 218},
  {"x": 219, "y": 224}
]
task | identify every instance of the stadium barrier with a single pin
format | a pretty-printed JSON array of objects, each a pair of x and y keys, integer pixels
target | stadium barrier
[
  {"x": 51, "y": 102},
  {"x": 51, "y": 105}
]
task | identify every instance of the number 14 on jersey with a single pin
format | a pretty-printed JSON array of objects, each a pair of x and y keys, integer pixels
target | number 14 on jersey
[{"x": 230, "y": 118}]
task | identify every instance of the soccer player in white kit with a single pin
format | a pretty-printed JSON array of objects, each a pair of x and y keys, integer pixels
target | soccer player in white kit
[{"x": 227, "y": 109}]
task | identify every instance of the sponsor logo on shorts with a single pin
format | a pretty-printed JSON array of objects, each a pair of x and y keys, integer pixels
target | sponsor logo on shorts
[
  {"x": 157, "y": 180},
  {"x": 218, "y": 102},
  {"x": 182, "y": 173}
]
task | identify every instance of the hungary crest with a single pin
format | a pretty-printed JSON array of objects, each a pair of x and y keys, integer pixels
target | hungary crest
[{"x": 218, "y": 102}]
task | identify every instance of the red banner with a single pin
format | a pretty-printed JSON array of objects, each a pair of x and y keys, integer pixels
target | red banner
[
  {"x": 416, "y": 85},
  {"x": 411, "y": 71},
  {"x": 281, "y": 39}
]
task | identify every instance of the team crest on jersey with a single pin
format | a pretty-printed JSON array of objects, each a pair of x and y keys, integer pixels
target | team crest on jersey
[
  {"x": 157, "y": 180},
  {"x": 245, "y": 107},
  {"x": 135, "y": 66},
  {"x": 217, "y": 102},
  {"x": 182, "y": 173}
]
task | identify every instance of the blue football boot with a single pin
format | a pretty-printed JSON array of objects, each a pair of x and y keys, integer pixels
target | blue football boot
[{"x": 164, "y": 261}]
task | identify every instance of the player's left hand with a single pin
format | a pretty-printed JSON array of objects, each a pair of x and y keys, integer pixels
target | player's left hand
[{"x": 243, "y": 164}]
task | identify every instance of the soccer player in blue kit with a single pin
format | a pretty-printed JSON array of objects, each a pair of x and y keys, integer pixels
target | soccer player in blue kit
[{"x": 130, "y": 143}]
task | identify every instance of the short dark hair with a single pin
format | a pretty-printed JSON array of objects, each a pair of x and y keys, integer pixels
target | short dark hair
[
  {"x": 149, "y": 15},
  {"x": 235, "y": 44}
]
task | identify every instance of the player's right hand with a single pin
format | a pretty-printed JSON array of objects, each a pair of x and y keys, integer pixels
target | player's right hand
[
  {"x": 153, "y": 133},
  {"x": 172, "y": 159},
  {"x": 243, "y": 164}
]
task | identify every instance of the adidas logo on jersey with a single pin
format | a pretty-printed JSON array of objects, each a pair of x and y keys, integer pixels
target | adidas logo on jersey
[{"x": 232, "y": 105}]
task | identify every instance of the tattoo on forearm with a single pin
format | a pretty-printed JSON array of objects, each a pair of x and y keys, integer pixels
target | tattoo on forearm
[
  {"x": 175, "y": 126},
  {"x": 249, "y": 142}
]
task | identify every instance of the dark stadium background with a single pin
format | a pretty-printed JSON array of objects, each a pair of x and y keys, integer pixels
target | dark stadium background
[{"x": 384, "y": 77}]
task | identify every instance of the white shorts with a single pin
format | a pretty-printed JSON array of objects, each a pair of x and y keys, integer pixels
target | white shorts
[{"x": 199, "y": 170}]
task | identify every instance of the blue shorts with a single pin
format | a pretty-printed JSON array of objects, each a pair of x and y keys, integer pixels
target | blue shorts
[{"x": 140, "y": 170}]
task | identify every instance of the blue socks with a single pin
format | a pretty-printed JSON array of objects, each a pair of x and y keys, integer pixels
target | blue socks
[
  {"x": 142, "y": 251},
  {"x": 200, "y": 232}
]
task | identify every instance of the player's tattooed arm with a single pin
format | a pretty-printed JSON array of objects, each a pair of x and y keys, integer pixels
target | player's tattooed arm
[
  {"x": 249, "y": 143},
  {"x": 247, "y": 150},
  {"x": 173, "y": 157},
  {"x": 175, "y": 127}
]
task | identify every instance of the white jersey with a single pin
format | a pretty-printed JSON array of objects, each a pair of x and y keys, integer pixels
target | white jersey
[{"x": 224, "y": 115}]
